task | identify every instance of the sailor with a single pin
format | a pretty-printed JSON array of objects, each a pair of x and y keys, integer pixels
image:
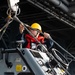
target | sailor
[{"x": 30, "y": 41}]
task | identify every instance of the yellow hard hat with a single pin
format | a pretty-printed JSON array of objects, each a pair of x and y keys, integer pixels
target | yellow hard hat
[{"x": 36, "y": 26}]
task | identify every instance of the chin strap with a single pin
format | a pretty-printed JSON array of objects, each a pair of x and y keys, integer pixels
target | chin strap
[{"x": 36, "y": 33}]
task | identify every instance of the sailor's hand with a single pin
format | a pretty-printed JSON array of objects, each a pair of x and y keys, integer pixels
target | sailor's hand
[
  {"x": 47, "y": 35},
  {"x": 21, "y": 28}
]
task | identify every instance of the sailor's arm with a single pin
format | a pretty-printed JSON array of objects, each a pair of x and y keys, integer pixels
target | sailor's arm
[{"x": 21, "y": 28}]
